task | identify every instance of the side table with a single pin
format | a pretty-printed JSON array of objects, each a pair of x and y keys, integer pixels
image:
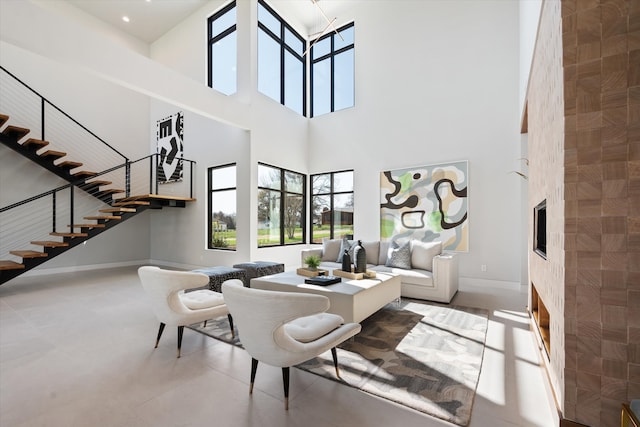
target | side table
[
  {"x": 217, "y": 275},
  {"x": 259, "y": 269}
]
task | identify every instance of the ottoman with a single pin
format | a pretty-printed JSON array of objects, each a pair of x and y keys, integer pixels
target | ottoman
[
  {"x": 259, "y": 269},
  {"x": 217, "y": 275}
]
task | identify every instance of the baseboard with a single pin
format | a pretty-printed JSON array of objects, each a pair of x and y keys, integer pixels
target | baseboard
[
  {"x": 76, "y": 268},
  {"x": 489, "y": 283}
]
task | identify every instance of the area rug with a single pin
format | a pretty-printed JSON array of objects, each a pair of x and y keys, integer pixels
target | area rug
[{"x": 425, "y": 356}]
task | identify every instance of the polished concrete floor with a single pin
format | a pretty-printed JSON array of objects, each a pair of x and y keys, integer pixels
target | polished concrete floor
[{"x": 76, "y": 349}]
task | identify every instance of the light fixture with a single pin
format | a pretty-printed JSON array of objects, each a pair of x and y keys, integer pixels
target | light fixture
[
  {"x": 125, "y": 18},
  {"x": 321, "y": 33}
]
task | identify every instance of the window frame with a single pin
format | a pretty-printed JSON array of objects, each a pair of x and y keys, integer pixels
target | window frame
[
  {"x": 211, "y": 40},
  {"x": 280, "y": 39},
  {"x": 210, "y": 213},
  {"x": 283, "y": 193},
  {"x": 331, "y": 195},
  {"x": 332, "y": 57}
]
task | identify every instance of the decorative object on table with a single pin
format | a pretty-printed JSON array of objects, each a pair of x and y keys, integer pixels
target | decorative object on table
[
  {"x": 311, "y": 273},
  {"x": 360, "y": 258},
  {"x": 388, "y": 358},
  {"x": 346, "y": 261},
  {"x": 313, "y": 262},
  {"x": 323, "y": 280},
  {"x": 369, "y": 274},
  {"x": 426, "y": 203}
]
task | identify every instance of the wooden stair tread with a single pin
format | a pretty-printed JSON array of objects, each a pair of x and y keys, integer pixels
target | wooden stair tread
[
  {"x": 10, "y": 265},
  {"x": 117, "y": 210},
  {"x": 29, "y": 254},
  {"x": 86, "y": 226},
  {"x": 96, "y": 183},
  {"x": 53, "y": 153},
  {"x": 84, "y": 173},
  {"x": 36, "y": 143},
  {"x": 59, "y": 234},
  {"x": 15, "y": 132},
  {"x": 112, "y": 190},
  {"x": 69, "y": 164},
  {"x": 49, "y": 243},
  {"x": 3, "y": 119},
  {"x": 129, "y": 203},
  {"x": 102, "y": 217}
]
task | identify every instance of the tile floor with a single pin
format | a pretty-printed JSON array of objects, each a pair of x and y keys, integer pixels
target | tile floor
[{"x": 76, "y": 349}]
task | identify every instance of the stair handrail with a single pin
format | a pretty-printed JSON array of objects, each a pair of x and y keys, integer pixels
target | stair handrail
[{"x": 42, "y": 117}]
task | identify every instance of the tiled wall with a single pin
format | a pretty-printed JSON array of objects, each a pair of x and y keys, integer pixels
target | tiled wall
[{"x": 600, "y": 301}]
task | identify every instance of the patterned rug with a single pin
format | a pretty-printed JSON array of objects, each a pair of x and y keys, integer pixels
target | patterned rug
[{"x": 425, "y": 356}]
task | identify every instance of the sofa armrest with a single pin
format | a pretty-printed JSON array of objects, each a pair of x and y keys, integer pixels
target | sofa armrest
[
  {"x": 445, "y": 272},
  {"x": 309, "y": 252}
]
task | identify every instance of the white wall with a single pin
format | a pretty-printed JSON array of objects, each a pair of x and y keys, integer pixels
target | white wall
[
  {"x": 529, "y": 21},
  {"x": 435, "y": 82}
]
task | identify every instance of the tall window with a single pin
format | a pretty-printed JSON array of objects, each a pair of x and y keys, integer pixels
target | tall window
[
  {"x": 222, "y": 207},
  {"x": 332, "y": 72},
  {"x": 281, "y": 210},
  {"x": 281, "y": 67},
  {"x": 332, "y": 206},
  {"x": 223, "y": 50}
]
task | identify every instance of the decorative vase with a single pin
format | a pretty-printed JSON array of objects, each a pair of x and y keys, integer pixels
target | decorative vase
[
  {"x": 346, "y": 261},
  {"x": 360, "y": 258}
]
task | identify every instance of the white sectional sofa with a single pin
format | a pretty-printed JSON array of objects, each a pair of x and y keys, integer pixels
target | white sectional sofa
[{"x": 425, "y": 271}]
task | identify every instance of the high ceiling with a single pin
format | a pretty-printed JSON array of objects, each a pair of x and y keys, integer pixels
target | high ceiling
[{"x": 150, "y": 19}]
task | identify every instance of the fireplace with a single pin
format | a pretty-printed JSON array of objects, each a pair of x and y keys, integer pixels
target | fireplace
[{"x": 540, "y": 229}]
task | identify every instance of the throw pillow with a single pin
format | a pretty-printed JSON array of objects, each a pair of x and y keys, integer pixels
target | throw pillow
[
  {"x": 372, "y": 249},
  {"x": 330, "y": 249},
  {"x": 400, "y": 257},
  {"x": 384, "y": 252},
  {"x": 348, "y": 245},
  {"x": 422, "y": 254}
]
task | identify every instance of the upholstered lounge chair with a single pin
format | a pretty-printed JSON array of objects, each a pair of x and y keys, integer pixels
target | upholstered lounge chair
[
  {"x": 172, "y": 306},
  {"x": 284, "y": 329}
]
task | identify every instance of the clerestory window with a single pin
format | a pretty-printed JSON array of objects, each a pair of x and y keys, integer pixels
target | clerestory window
[
  {"x": 333, "y": 72},
  {"x": 281, "y": 66},
  {"x": 222, "y": 52}
]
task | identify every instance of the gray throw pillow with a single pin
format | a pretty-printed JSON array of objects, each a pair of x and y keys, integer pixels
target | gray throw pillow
[
  {"x": 349, "y": 245},
  {"x": 330, "y": 249},
  {"x": 400, "y": 257}
]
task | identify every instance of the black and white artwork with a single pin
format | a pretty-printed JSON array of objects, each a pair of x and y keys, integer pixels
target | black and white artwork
[{"x": 170, "y": 148}]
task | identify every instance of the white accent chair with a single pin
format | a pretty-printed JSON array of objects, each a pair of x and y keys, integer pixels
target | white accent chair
[
  {"x": 174, "y": 307},
  {"x": 284, "y": 329}
]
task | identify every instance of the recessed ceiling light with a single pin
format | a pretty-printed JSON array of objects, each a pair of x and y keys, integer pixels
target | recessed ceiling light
[{"x": 125, "y": 18}]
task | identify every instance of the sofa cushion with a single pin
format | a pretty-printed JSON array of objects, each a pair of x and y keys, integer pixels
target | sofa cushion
[
  {"x": 330, "y": 249},
  {"x": 422, "y": 254},
  {"x": 373, "y": 251},
  {"x": 349, "y": 246},
  {"x": 384, "y": 249},
  {"x": 413, "y": 276},
  {"x": 400, "y": 257}
]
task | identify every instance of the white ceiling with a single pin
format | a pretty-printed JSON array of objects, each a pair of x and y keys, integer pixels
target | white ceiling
[{"x": 150, "y": 19}]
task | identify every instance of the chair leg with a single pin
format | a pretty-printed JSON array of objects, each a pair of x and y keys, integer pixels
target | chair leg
[
  {"x": 162, "y": 325},
  {"x": 205, "y": 324},
  {"x": 233, "y": 334},
  {"x": 334, "y": 353},
  {"x": 254, "y": 368},
  {"x": 285, "y": 382},
  {"x": 180, "y": 332}
]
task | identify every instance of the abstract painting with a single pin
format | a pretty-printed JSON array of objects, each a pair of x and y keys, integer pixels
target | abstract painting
[
  {"x": 426, "y": 203},
  {"x": 170, "y": 148}
]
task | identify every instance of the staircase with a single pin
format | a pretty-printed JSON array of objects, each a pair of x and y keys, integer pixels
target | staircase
[{"x": 107, "y": 211}]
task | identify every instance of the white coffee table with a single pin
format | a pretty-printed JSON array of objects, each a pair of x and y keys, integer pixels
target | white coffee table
[{"x": 354, "y": 300}]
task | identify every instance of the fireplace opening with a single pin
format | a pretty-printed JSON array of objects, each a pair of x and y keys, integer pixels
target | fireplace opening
[{"x": 540, "y": 229}]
